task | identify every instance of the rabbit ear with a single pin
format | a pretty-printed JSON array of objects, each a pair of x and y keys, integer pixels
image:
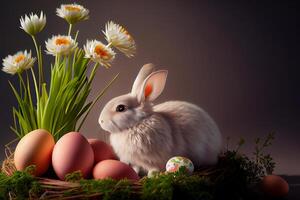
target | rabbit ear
[
  {"x": 142, "y": 75},
  {"x": 153, "y": 86}
]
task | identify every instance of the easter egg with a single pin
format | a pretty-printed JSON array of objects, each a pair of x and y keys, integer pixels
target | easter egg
[
  {"x": 274, "y": 186},
  {"x": 71, "y": 153},
  {"x": 102, "y": 151},
  {"x": 35, "y": 148},
  {"x": 175, "y": 163},
  {"x": 114, "y": 169}
]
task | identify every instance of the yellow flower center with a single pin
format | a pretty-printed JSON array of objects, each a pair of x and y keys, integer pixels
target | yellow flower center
[
  {"x": 72, "y": 8},
  {"x": 19, "y": 58},
  {"x": 100, "y": 51},
  {"x": 62, "y": 41}
]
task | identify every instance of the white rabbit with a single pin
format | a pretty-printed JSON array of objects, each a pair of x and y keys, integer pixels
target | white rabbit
[{"x": 147, "y": 136}]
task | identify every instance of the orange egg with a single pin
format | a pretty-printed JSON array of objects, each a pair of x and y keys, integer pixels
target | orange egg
[
  {"x": 274, "y": 186},
  {"x": 114, "y": 169},
  {"x": 35, "y": 148},
  {"x": 102, "y": 151},
  {"x": 71, "y": 153}
]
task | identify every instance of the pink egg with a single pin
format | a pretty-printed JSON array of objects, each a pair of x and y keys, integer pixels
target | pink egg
[
  {"x": 72, "y": 152},
  {"x": 102, "y": 150},
  {"x": 114, "y": 169}
]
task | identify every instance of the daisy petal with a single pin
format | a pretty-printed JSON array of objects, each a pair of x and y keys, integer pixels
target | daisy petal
[
  {"x": 60, "y": 45},
  {"x": 33, "y": 24},
  {"x": 18, "y": 62},
  {"x": 98, "y": 52},
  {"x": 119, "y": 37},
  {"x": 72, "y": 13}
]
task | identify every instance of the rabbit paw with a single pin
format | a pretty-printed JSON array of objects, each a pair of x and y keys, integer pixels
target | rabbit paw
[
  {"x": 136, "y": 169},
  {"x": 153, "y": 172}
]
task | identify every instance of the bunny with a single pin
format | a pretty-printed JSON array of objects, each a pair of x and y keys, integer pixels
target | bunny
[{"x": 147, "y": 136}]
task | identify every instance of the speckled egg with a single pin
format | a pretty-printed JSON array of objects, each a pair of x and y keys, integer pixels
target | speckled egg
[
  {"x": 114, "y": 169},
  {"x": 176, "y": 162},
  {"x": 274, "y": 186},
  {"x": 35, "y": 148},
  {"x": 71, "y": 153}
]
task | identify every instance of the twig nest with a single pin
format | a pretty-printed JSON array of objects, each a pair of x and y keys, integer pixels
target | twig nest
[
  {"x": 71, "y": 153},
  {"x": 274, "y": 186},
  {"x": 177, "y": 162},
  {"x": 34, "y": 148}
]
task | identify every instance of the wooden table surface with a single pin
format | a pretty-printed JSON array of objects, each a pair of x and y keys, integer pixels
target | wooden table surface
[{"x": 294, "y": 183}]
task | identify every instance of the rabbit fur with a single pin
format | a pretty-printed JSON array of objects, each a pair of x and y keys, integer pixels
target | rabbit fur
[{"x": 147, "y": 136}]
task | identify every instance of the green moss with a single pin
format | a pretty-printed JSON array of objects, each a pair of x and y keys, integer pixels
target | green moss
[
  {"x": 20, "y": 184},
  {"x": 158, "y": 187},
  {"x": 74, "y": 177}
]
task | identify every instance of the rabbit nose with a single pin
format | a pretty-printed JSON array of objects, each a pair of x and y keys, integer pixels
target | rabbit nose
[{"x": 102, "y": 121}]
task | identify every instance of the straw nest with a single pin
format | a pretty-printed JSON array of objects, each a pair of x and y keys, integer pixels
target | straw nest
[{"x": 50, "y": 188}]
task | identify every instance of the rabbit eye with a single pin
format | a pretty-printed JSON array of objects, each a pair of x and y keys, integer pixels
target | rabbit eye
[{"x": 121, "y": 108}]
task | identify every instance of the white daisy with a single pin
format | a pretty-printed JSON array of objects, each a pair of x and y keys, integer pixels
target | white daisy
[
  {"x": 17, "y": 63},
  {"x": 98, "y": 52},
  {"x": 33, "y": 24},
  {"x": 60, "y": 45},
  {"x": 119, "y": 37},
  {"x": 72, "y": 13}
]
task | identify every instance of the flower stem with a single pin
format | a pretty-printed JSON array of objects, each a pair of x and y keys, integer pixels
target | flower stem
[
  {"x": 70, "y": 29},
  {"x": 93, "y": 73},
  {"x": 28, "y": 89},
  {"x": 57, "y": 60},
  {"x": 35, "y": 85},
  {"x": 20, "y": 85},
  {"x": 40, "y": 70}
]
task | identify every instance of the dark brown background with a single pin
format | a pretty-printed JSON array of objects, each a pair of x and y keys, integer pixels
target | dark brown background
[{"x": 239, "y": 61}]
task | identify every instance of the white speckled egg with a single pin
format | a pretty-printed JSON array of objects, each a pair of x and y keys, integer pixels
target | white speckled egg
[{"x": 176, "y": 162}]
